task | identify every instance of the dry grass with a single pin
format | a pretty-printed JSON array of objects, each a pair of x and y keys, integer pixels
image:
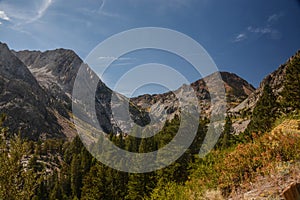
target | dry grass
[
  {"x": 258, "y": 170},
  {"x": 270, "y": 181}
]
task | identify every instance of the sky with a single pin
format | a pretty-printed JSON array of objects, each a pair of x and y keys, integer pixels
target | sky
[{"x": 249, "y": 38}]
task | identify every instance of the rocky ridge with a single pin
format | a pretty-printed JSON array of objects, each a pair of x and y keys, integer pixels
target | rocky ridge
[
  {"x": 54, "y": 73},
  {"x": 275, "y": 80}
]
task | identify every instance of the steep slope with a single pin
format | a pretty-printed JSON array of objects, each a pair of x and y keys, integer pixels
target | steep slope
[
  {"x": 23, "y": 100},
  {"x": 53, "y": 68},
  {"x": 275, "y": 80},
  {"x": 56, "y": 71},
  {"x": 262, "y": 169},
  {"x": 237, "y": 89},
  {"x": 285, "y": 171}
]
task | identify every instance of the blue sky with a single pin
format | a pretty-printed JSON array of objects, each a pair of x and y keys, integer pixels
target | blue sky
[{"x": 249, "y": 38}]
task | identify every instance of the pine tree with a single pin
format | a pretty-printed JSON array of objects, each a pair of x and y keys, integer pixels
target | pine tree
[
  {"x": 226, "y": 139},
  {"x": 291, "y": 90},
  {"x": 76, "y": 176},
  {"x": 264, "y": 113},
  {"x": 94, "y": 184},
  {"x": 15, "y": 181},
  {"x": 140, "y": 185},
  {"x": 56, "y": 192}
]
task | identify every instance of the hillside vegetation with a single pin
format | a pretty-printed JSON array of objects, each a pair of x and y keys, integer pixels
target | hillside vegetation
[{"x": 260, "y": 169}]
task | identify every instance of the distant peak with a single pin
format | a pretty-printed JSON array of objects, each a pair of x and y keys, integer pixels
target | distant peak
[
  {"x": 53, "y": 52},
  {"x": 227, "y": 73},
  {"x": 61, "y": 51},
  {"x": 27, "y": 51}
]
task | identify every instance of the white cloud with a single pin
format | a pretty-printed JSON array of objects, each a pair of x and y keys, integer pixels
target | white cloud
[
  {"x": 267, "y": 29},
  {"x": 274, "y": 17},
  {"x": 3, "y": 16},
  {"x": 262, "y": 30},
  {"x": 240, "y": 37}
]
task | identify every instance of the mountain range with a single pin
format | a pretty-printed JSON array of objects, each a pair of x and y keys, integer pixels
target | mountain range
[{"x": 36, "y": 95}]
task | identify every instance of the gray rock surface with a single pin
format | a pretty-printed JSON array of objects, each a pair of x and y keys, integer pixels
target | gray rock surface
[{"x": 22, "y": 99}]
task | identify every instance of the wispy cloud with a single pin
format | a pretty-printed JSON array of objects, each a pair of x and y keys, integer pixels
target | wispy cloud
[
  {"x": 163, "y": 6},
  {"x": 240, "y": 37},
  {"x": 22, "y": 13},
  {"x": 101, "y": 10},
  {"x": 275, "y": 17},
  {"x": 121, "y": 61},
  {"x": 124, "y": 64},
  {"x": 40, "y": 11},
  {"x": 261, "y": 30},
  {"x": 3, "y": 16},
  {"x": 115, "y": 58}
]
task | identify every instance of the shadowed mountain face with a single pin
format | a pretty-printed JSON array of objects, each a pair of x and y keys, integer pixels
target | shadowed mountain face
[
  {"x": 36, "y": 89},
  {"x": 23, "y": 100}
]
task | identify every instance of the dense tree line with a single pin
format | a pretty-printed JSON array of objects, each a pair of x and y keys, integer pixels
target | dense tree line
[{"x": 65, "y": 170}]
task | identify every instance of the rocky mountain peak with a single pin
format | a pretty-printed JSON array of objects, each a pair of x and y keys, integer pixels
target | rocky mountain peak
[
  {"x": 23, "y": 100},
  {"x": 3, "y": 46},
  {"x": 12, "y": 67},
  {"x": 52, "y": 67},
  {"x": 237, "y": 89}
]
